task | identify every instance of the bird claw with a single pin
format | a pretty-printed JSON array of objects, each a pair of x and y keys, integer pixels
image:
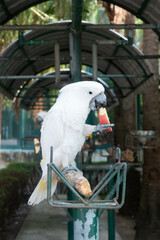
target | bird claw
[
  {"x": 102, "y": 127},
  {"x": 70, "y": 167}
]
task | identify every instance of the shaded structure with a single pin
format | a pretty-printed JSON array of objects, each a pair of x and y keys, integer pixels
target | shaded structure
[
  {"x": 34, "y": 52},
  {"x": 146, "y": 10},
  {"x": 41, "y": 86},
  {"x": 11, "y": 8}
]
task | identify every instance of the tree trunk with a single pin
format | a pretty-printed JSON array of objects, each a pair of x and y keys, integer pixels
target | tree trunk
[
  {"x": 1, "y": 99},
  {"x": 148, "y": 221},
  {"x": 129, "y": 108},
  {"x": 125, "y": 113}
]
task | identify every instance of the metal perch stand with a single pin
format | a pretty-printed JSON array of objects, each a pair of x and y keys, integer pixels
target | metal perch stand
[{"x": 86, "y": 211}]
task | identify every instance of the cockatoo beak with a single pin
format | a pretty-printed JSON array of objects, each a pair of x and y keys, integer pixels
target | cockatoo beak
[{"x": 98, "y": 101}]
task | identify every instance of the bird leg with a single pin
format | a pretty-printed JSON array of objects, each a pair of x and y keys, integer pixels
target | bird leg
[
  {"x": 102, "y": 127},
  {"x": 70, "y": 167},
  {"x": 76, "y": 178}
]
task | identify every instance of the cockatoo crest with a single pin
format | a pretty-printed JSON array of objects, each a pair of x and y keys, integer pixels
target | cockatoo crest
[{"x": 78, "y": 97}]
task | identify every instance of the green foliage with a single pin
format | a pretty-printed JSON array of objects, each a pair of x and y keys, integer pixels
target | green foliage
[
  {"x": 13, "y": 182},
  {"x": 47, "y": 12},
  {"x": 138, "y": 32}
]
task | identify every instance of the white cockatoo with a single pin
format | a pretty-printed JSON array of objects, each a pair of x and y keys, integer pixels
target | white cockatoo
[{"x": 64, "y": 128}]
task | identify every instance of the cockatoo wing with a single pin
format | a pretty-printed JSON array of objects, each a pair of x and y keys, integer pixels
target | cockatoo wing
[
  {"x": 52, "y": 134},
  {"x": 64, "y": 128}
]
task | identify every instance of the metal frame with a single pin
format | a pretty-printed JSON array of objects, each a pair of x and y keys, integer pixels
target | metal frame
[
  {"x": 97, "y": 26},
  {"x": 76, "y": 60},
  {"x": 119, "y": 170}
]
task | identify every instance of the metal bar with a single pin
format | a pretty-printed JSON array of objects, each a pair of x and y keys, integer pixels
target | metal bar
[
  {"x": 117, "y": 184},
  {"x": 111, "y": 216},
  {"x": 156, "y": 56},
  {"x": 86, "y": 224},
  {"x": 113, "y": 191},
  {"x": 75, "y": 70},
  {"x": 124, "y": 184},
  {"x": 104, "y": 178},
  {"x": 122, "y": 26},
  {"x": 130, "y": 36},
  {"x": 139, "y": 84},
  {"x": 31, "y": 42},
  {"x": 129, "y": 57},
  {"x": 77, "y": 8},
  {"x": 110, "y": 204},
  {"x": 37, "y": 101},
  {"x": 51, "y": 155},
  {"x": 94, "y": 205},
  {"x": 111, "y": 224},
  {"x": 49, "y": 178},
  {"x": 35, "y": 27},
  {"x": 64, "y": 179},
  {"x": 57, "y": 62},
  {"x": 67, "y": 75},
  {"x": 105, "y": 183},
  {"x": 138, "y": 112},
  {"x": 10, "y": 58},
  {"x": 118, "y": 154},
  {"x": 26, "y": 77},
  {"x": 62, "y": 27},
  {"x": 114, "y": 42},
  {"x": 24, "y": 97},
  {"x": 122, "y": 75},
  {"x": 49, "y": 183},
  {"x": 94, "y": 61},
  {"x": 75, "y": 55}
]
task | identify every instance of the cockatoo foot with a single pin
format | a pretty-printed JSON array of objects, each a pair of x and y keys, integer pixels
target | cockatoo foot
[
  {"x": 76, "y": 178},
  {"x": 70, "y": 167},
  {"x": 102, "y": 127}
]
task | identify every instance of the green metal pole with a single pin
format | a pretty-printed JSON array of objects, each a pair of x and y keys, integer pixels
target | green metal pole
[
  {"x": 75, "y": 55},
  {"x": 23, "y": 118},
  {"x": 111, "y": 224},
  {"x": 138, "y": 112},
  {"x": 70, "y": 196},
  {"x": 111, "y": 216},
  {"x": 86, "y": 224},
  {"x": 75, "y": 70}
]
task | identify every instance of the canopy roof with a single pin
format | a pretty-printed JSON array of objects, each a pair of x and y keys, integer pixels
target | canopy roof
[
  {"x": 147, "y": 10},
  {"x": 11, "y": 8},
  {"x": 40, "y": 88},
  {"x": 36, "y": 53}
]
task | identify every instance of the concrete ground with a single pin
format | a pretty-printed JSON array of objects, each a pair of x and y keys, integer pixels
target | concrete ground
[{"x": 47, "y": 223}]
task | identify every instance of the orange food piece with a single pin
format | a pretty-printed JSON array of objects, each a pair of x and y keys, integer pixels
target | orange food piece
[{"x": 103, "y": 118}]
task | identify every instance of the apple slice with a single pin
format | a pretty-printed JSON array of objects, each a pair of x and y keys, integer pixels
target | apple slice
[{"x": 103, "y": 118}]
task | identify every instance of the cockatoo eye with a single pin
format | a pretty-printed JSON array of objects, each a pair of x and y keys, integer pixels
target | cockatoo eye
[{"x": 90, "y": 92}]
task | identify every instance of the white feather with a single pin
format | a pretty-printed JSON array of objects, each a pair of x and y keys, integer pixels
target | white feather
[{"x": 64, "y": 128}]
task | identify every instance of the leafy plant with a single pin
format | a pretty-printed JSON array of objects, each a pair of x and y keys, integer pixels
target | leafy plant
[{"x": 14, "y": 181}]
